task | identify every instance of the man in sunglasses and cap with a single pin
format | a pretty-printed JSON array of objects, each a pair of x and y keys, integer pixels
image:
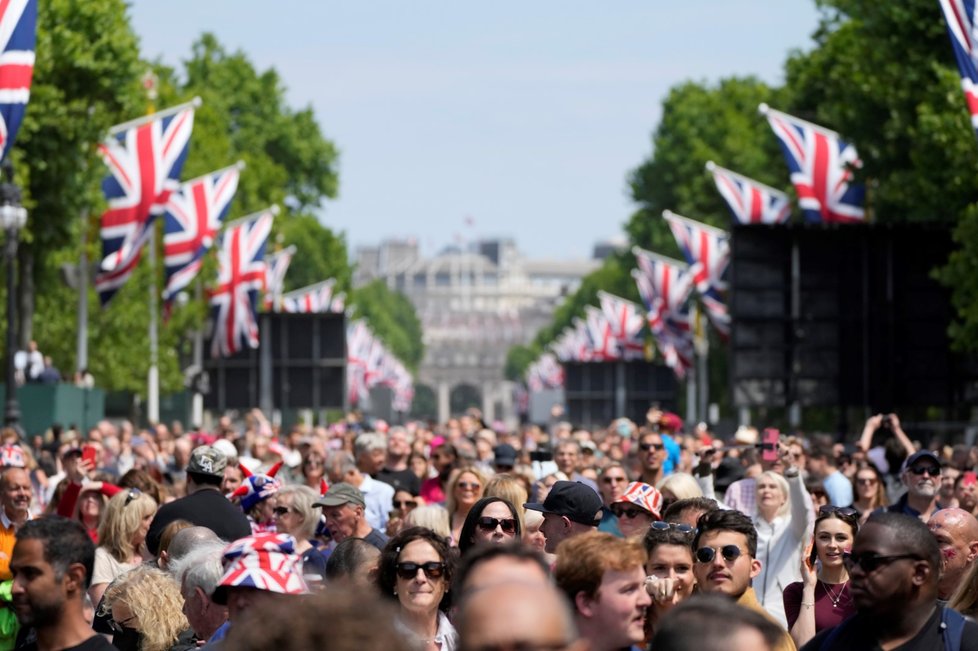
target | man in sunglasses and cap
[
  {"x": 724, "y": 562},
  {"x": 571, "y": 508},
  {"x": 922, "y": 477}
]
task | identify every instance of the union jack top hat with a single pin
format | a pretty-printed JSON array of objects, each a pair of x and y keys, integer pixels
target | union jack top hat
[
  {"x": 644, "y": 496},
  {"x": 265, "y": 561}
]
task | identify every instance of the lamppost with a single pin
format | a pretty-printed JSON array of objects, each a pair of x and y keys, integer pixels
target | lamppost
[{"x": 13, "y": 217}]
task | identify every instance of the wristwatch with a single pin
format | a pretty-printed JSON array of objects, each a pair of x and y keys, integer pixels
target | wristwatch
[{"x": 791, "y": 472}]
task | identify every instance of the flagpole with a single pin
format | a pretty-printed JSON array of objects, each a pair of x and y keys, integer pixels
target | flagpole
[
  {"x": 197, "y": 399},
  {"x": 149, "y": 117},
  {"x": 153, "y": 381}
]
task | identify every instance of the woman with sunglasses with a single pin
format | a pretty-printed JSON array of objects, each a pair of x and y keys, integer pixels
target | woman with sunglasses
[
  {"x": 493, "y": 520},
  {"x": 464, "y": 490},
  {"x": 415, "y": 569},
  {"x": 295, "y": 515},
  {"x": 403, "y": 503},
  {"x": 637, "y": 508},
  {"x": 869, "y": 489},
  {"x": 122, "y": 538},
  {"x": 821, "y": 599},
  {"x": 146, "y": 610},
  {"x": 669, "y": 568},
  {"x": 782, "y": 522}
]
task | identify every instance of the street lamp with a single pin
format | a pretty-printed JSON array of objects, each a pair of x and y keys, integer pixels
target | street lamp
[{"x": 13, "y": 217}]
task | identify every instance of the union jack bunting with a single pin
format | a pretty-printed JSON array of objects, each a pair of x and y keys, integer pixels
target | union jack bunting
[
  {"x": 338, "y": 304},
  {"x": 309, "y": 300},
  {"x": 750, "y": 201},
  {"x": 627, "y": 323},
  {"x": 604, "y": 345},
  {"x": 665, "y": 286},
  {"x": 192, "y": 220},
  {"x": 819, "y": 162},
  {"x": 960, "y": 17},
  {"x": 545, "y": 373},
  {"x": 276, "y": 265},
  {"x": 359, "y": 340},
  {"x": 18, "y": 36},
  {"x": 241, "y": 274},
  {"x": 145, "y": 161}
]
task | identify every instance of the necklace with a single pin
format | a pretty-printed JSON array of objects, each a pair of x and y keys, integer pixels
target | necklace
[{"x": 834, "y": 598}]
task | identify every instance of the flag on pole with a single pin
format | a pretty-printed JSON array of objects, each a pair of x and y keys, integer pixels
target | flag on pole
[
  {"x": 276, "y": 266},
  {"x": 192, "y": 220},
  {"x": 241, "y": 274},
  {"x": 18, "y": 37},
  {"x": 820, "y": 163},
  {"x": 960, "y": 18},
  {"x": 311, "y": 299},
  {"x": 145, "y": 158},
  {"x": 627, "y": 323},
  {"x": 750, "y": 201},
  {"x": 665, "y": 285}
]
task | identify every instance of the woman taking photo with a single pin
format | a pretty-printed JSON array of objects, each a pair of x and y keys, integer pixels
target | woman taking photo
[
  {"x": 415, "y": 569},
  {"x": 464, "y": 490},
  {"x": 493, "y": 521},
  {"x": 821, "y": 599},
  {"x": 122, "y": 538}
]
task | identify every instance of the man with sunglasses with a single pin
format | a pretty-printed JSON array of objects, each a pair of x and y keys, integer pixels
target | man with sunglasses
[
  {"x": 894, "y": 569},
  {"x": 922, "y": 477},
  {"x": 724, "y": 562},
  {"x": 651, "y": 456}
]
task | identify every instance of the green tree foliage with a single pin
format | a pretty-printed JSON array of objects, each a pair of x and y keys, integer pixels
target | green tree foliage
[
  {"x": 321, "y": 253},
  {"x": 392, "y": 318}
]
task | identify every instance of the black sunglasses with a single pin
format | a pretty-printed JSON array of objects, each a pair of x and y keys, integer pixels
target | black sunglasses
[
  {"x": 489, "y": 524},
  {"x": 844, "y": 511},
  {"x": 659, "y": 525},
  {"x": 730, "y": 553},
  {"x": 645, "y": 447},
  {"x": 121, "y": 627},
  {"x": 870, "y": 562},
  {"x": 404, "y": 504},
  {"x": 133, "y": 494},
  {"x": 432, "y": 570},
  {"x": 281, "y": 510},
  {"x": 627, "y": 512},
  {"x": 926, "y": 470}
]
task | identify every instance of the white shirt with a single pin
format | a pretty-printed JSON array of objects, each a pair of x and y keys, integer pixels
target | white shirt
[{"x": 379, "y": 501}]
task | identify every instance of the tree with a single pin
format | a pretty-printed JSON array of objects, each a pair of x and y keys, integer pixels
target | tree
[
  {"x": 392, "y": 318},
  {"x": 320, "y": 253}
]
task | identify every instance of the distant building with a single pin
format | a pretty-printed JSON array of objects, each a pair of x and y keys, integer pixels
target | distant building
[{"x": 474, "y": 302}]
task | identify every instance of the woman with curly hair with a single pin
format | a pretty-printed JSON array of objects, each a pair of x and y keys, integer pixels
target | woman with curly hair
[
  {"x": 146, "y": 611},
  {"x": 122, "y": 538},
  {"x": 416, "y": 569}
]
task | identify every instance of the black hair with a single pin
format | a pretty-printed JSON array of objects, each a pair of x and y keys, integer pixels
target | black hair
[
  {"x": 516, "y": 550},
  {"x": 911, "y": 534},
  {"x": 65, "y": 543},
  {"x": 851, "y": 520},
  {"x": 204, "y": 480},
  {"x": 347, "y": 558},
  {"x": 387, "y": 565},
  {"x": 672, "y": 536},
  {"x": 468, "y": 527},
  {"x": 675, "y": 511},
  {"x": 727, "y": 520},
  {"x": 706, "y": 622}
]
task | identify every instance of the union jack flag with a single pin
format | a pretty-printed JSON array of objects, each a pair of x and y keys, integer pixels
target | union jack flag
[
  {"x": 707, "y": 250},
  {"x": 545, "y": 373},
  {"x": 311, "y": 299},
  {"x": 665, "y": 286},
  {"x": 604, "y": 345},
  {"x": 145, "y": 161},
  {"x": 627, "y": 323},
  {"x": 241, "y": 274},
  {"x": 276, "y": 265},
  {"x": 18, "y": 36},
  {"x": 750, "y": 201},
  {"x": 359, "y": 341},
  {"x": 960, "y": 17},
  {"x": 820, "y": 163},
  {"x": 192, "y": 220}
]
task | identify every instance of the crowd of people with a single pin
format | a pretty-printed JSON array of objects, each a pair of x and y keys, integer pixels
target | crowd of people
[{"x": 361, "y": 535}]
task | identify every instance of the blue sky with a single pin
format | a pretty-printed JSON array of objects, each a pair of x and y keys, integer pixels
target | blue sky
[{"x": 524, "y": 116}]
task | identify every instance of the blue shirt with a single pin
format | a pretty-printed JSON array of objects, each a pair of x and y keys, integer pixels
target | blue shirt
[{"x": 838, "y": 488}]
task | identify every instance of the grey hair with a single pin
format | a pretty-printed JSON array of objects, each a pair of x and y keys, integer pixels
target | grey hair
[
  {"x": 302, "y": 500},
  {"x": 368, "y": 442},
  {"x": 201, "y": 567},
  {"x": 340, "y": 462}
]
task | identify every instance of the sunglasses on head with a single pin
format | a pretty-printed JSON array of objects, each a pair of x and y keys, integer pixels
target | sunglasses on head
[
  {"x": 870, "y": 562},
  {"x": 659, "y": 525},
  {"x": 489, "y": 524},
  {"x": 133, "y": 494},
  {"x": 627, "y": 511},
  {"x": 730, "y": 553},
  {"x": 432, "y": 569},
  {"x": 933, "y": 471},
  {"x": 645, "y": 447},
  {"x": 404, "y": 504},
  {"x": 844, "y": 511}
]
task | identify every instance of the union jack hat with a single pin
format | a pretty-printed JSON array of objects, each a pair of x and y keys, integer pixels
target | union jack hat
[
  {"x": 11, "y": 456},
  {"x": 265, "y": 561},
  {"x": 257, "y": 487},
  {"x": 643, "y": 496}
]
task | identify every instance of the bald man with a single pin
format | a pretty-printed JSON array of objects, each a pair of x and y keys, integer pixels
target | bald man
[
  {"x": 956, "y": 532},
  {"x": 517, "y": 615}
]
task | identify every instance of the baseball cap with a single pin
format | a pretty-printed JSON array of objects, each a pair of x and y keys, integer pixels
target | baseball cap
[
  {"x": 265, "y": 561},
  {"x": 919, "y": 455},
  {"x": 505, "y": 455},
  {"x": 644, "y": 496},
  {"x": 340, "y": 494},
  {"x": 572, "y": 499},
  {"x": 207, "y": 460}
]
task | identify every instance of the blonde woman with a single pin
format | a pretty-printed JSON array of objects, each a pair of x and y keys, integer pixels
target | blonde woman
[
  {"x": 122, "y": 538},
  {"x": 965, "y": 598},
  {"x": 679, "y": 486},
  {"x": 465, "y": 488},
  {"x": 513, "y": 490},
  {"x": 431, "y": 516},
  {"x": 145, "y": 607}
]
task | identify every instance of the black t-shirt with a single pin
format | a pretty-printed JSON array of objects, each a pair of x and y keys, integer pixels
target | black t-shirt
[
  {"x": 856, "y": 637},
  {"x": 94, "y": 643},
  {"x": 401, "y": 480},
  {"x": 205, "y": 508}
]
